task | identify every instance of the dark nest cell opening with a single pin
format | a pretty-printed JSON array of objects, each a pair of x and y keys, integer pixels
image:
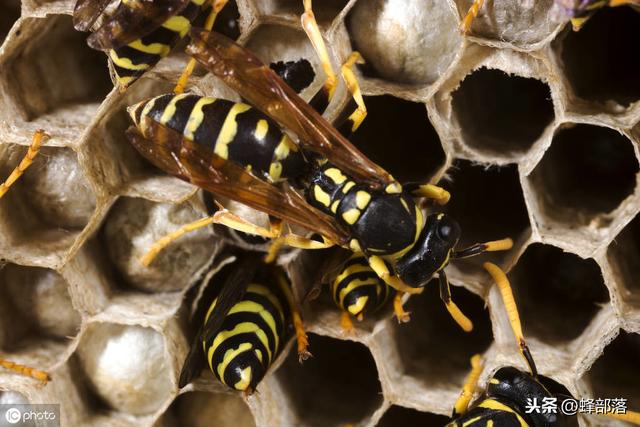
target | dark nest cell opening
[
  {"x": 432, "y": 346},
  {"x": 35, "y": 306},
  {"x": 500, "y": 113},
  {"x": 624, "y": 256},
  {"x": 588, "y": 170},
  {"x": 9, "y": 13},
  {"x": 602, "y": 60},
  {"x": 400, "y": 416},
  {"x": 339, "y": 385},
  {"x": 56, "y": 69},
  {"x": 558, "y": 293},
  {"x": 488, "y": 204},
  {"x": 615, "y": 374},
  {"x": 198, "y": 408},
  {"x": 398, "y": 135}
]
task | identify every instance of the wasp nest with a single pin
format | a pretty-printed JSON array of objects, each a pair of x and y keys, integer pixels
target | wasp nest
[{"x": 532, "y": 127}]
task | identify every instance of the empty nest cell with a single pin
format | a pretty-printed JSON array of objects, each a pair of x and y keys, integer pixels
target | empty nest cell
[
  {"x": 398, "y": 135},
  {"x": 198, "y": 409},
  {"x": 500, "y": 113},
  {"x": 488, "y": 204},
  {"x": 405, "y": 41},
  {"x": 51, "y": 67},
  {"x": 601, "y": 61},
  {"x": 51, "y": 203},
  {"x": 325, "y": 11},
  {"x": 587, "y": 171},
  {"x": 558, "y": 293},
  {"x": 624, "y": 257},
  {"x": 9, "y": 13},
  {"x": 432, "y": 347},
  {"x": 615, "y": 374},
  {"x": 36, "y": 307},
  {"x": 126, "y": 367},
  {"x": 399, "y": 416},
  {"x": 338, "y": 386},
  {"x": 130, "y": 230}
]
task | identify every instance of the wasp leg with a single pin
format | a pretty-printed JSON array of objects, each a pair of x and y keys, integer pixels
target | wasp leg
[
  {"x": 493, "y": 246},
  {"x": 346, "y": 323},
  {"x": 465, "y": 26},
  {"x": 429, "y": 191},
  {"x": 470, "y": 384},
  {"x": 398, "y": 309},
  {"x": 616, "y": 3},
  {"x": 629, "y": 416},
  {"x": 38, "y": 138},
  {"x": 512, "y": 311},
  {"x": 216, "y": 7},
  {"x": 275, "y": 224},
  {"x": 355, "y": 113},
  {"x": 301, "y": 336},
  {"x": 322, "y": 99},
  {"x": 382, "y": 270},
  {"x": 25, "y": 370},
  {"x": 452, "y": 308}
]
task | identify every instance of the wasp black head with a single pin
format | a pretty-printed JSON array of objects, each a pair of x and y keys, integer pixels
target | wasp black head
[
  {"x": 431, "y": 252},
  {"x": 297, "y": 74}
]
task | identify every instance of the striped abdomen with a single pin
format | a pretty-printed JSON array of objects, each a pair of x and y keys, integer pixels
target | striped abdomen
[
  {"x": 358, "y": 289},
  {"x": 234, "y": 131},
  {"x": 133, "y": 60},
  {"x": 250, "y": 338}
]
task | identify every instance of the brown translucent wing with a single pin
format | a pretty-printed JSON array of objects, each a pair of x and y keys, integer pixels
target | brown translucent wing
[
  {"x": 263, "y": 88},
  {"x": 133, "y": 20},
  {"x": 86, "y": 12},
  {"x": 171, "y": 152}
]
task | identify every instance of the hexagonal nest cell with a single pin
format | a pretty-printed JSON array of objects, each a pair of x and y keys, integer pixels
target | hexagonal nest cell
[
  {"x": 603, "y": 68},
  {"x": 624, "y": 257},
  {"x": 493, "y": 120},
  {"x": 398, "y": 136},
  {"x": 615, "y": 373},
  {"x": 587, "y": 171},
  {"x": 558, "y": 293},
  {"x": 339, "y": 385},
  {"x": 75, "y": 300}
]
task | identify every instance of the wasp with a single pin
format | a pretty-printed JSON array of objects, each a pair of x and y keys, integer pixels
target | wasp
[
  {"x": 511, "y": 390},
  {"x": 239, "y": 152},
  {"x": 577, "y": 11},
  {"x": 139, "y": 33},
  {"x": 250, "y": 310}
]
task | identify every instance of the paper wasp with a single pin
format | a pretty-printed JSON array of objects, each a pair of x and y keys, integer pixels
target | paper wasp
[
  {"x": 509, "y": 390},
  {"x": 246, "y": 312},
  {"x": 235, "y": 151},
  {"x": 577, "y": 11}
]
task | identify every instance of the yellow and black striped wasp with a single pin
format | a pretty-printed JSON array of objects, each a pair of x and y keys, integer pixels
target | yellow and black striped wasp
[
  {"x": 510, "y": 391},
  {"x": 247, "y": 310},
  {"x": 576, "y": 11},
  {"x": 239, "y": 152}
]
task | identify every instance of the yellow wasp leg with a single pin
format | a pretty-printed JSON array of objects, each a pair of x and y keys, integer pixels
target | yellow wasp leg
[
  {"x": 630, "y": 417},
  {"x": 345, "y": 322},
  {"x": 470, "y": 384},
  {"x": 398, "y": 309},
  {"x": 310, "y": 27},
  {"x": 298, "y": 325},
  {"x": 357, "y": 117},
  {"x": 445, "y": 294},
  {"x": 430, "y": 191},
  {"x": 216, "y": 7},
  {"x": 38, "y": 138},
  {"x": 380, "y": 267},
  {"x": 25, "y": 370},
  {"x": 465, "y": 26},
  {"x": 512, "y": 311}
]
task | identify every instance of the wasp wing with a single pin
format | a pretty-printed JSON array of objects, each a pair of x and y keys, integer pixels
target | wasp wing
[
  {"x": 263, "y": 88},
  {"x": 133, "y": 20},
  {"x": 232, "y": 291},
  {"x": 86, "y": 12},
  {"x": 171, "y": 152}
]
